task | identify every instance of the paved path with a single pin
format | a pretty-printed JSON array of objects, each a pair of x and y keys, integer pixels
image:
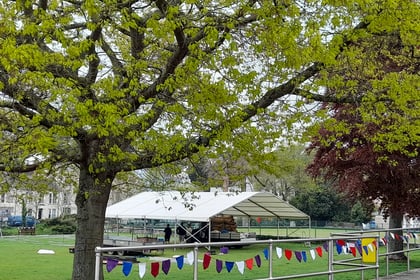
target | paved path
[{"x": 413, "y": 274}]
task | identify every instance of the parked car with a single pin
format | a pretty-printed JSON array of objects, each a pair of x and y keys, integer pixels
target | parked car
[{"x": 17, "y": 221}]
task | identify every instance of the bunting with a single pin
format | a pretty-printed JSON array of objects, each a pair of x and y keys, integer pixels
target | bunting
[
  {"x": 241, "y": 266},
  {"x": 166, "y": 265},
  {"x": 312, "y": 252},
  {"x": 229, "y": 266},
  {"x": 111, "y": 264},
  {"x": 219, "y": 266},
  {"x": 206, "y": 261},
  {"x": 249, "y": 263},
  {"x": 301, "y": 256},
  {"x": 155, "y": 269},
  {"x": 180, "y": 262},
  {"x": 127, "y": 266},
  {"x": 258, "y": 260},
  {"x": 142, "y": 270}
]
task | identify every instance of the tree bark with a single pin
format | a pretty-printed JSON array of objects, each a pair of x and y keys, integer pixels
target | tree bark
[
  {"x": 396, "y": 244},
  {"x": 91, "y": 200}
]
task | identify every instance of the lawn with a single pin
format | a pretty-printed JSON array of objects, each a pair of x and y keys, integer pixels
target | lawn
[{"x": 20, "y": 259}]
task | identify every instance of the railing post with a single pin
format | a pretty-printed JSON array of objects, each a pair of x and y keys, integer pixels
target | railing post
[
  {"x": 378, "y": 239},
  {"x": 195, "y": 263},
  {"x": 387, "y": 236},
  {"x": 330, "y": 259},
  {"x": 408, "y": 253},
  {"x": 97, "y": 263},
  {"x": 270, "y": 259}
]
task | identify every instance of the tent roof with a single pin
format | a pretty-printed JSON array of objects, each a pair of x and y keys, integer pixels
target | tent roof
[{"x": 201, "y": 206}]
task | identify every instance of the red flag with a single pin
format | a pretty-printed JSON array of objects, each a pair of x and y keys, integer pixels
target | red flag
[
  {"x": 288, "y": 254},
  {"x": 353, "y": 251},
  {"x": 155, "y": 269},
  {"x": 206, "y": 261},
  {"x": 319, "y": 251},
  {"x": 341, "y": 242},
  {"x": 249, "y": 263}
]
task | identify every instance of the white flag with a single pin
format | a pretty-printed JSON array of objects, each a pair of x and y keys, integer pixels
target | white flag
[
  {"x": 142, "y": 269},
  {"x": 279, "y": 252},
  {"x": 241, "y": 266}
]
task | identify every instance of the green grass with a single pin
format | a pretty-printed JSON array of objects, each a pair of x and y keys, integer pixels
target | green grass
[{"x": 19, "y": 260}]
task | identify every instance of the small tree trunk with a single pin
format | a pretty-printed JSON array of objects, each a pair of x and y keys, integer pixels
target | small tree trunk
[
  {"x": 91, "y": 201},
  {"x": 396, "y": 244}
]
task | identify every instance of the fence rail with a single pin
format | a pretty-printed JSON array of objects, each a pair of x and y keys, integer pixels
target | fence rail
[{"x": 331, "y": 243}]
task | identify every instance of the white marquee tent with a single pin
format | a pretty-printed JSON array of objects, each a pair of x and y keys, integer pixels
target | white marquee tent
[{"x": 201, "y": 206}]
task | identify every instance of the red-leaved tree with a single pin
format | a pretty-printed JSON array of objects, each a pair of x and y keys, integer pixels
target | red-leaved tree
[
  {"x": 356, "y": 167},
  {"x": 350, "y": 150}
]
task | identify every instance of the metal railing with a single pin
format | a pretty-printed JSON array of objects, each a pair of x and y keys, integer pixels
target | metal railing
[
  {"x": 352, "y": 264},
  {"x": 409, "y": 239}
]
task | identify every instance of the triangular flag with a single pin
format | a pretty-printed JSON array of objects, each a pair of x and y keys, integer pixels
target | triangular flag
[
  {"x": 353, "y": 251},
  {"x": 219, "y": 265},
  {"x": 180, "y": 262},
  {"x": 339, "y": 248},
  {"x": 288, "y": 254},
  {"x": 325, "y": 246},
  {"x": 341, "y": 242},
  {"x": 370, "y": 246},
  {"x": 374, "y": 244},
  {"x": 154, "y": 269},
  {"x": 397, "y": 237},
  {"x": 111, "y": 264},
  {"x": 384, "y": 240},
  {"x": 304, "y": 258},
  {"x": 365, "y": 248},
  {"x": 319, "y": 251},
  {"x": 206, "y": 261},
  {"x": 313, "y": 256},
  {"x": 258, "y": 260},
  {"x": 229, "y": 265},
  {"x": 265, "y": 251},
  {"x": 392, "y": 235},
  {"x": 166, "y": 265},
  {"x": 279, "y": 252},
  {"x": 359, "y": 248},
  {"x": 142, "y": 269},
  {"x": 241, "y": 266},
  {"x": 249, "y": 263},
  {"x": 190, "y": 258},
  {"x": 298, "y": 256},
  {"x": 126, "y": 269}
]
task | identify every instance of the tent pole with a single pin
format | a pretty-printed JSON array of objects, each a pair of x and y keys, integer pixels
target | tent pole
[{"x": 209, "y": 232}]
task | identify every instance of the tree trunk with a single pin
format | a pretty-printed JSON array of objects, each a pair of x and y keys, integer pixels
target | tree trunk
[
  {"x": 91, "y": 200},
  {"x": 396, "y": 244}
]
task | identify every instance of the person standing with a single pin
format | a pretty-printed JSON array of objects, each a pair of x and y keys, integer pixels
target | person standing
[
  {"x": 168, "y": 233},
  {"x": 180, "y": 230}
]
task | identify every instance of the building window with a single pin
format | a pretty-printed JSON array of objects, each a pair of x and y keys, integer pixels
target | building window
[
  {"x": 52, "y": 213},
  {"x": 52, "y": 198},
  {"x": 66, "y": 211},
  {"x": 65, "y": 199}
]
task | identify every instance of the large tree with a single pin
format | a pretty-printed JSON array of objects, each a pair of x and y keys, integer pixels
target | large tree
[{"x": 115, "y": 86}]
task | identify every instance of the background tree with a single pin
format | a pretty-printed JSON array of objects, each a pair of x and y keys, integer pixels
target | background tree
[
  {"x": 325, "y": 204},
  {"x": 117, "y": 86},
  {"x": 284, "y": 174}
]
